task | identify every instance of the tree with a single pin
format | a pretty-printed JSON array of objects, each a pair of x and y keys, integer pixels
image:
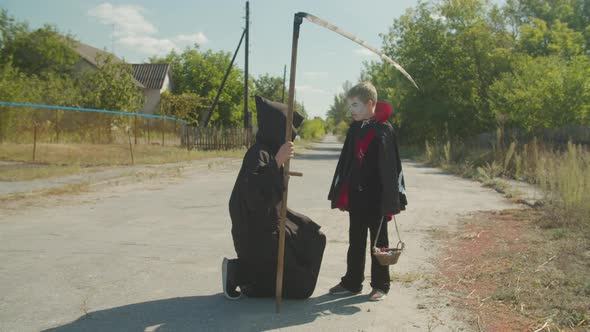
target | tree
[
  {"x": 271, "y": 87},
  {"x": 537, "y": 39},
  {"x": 111, "y": 87},
  {"x": 448, "y": 50},
  {"x": 338, "y": 112},
  {"x": 9, "y": 29},
  {"x": 41, "y": 51},
  {"x": 312, "y": 129},
  {"x": 574, "y": 13},
  {"x": 202, "y": 73},
  {"x": 183, "y": 106},
  {"x": 543, "y": 92}
]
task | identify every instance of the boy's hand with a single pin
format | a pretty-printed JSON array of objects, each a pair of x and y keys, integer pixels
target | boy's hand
[{"x": 286, "y": 152}]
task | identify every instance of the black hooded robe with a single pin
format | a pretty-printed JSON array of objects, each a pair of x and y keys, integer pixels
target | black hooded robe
[{"x": 255, "y": 210}]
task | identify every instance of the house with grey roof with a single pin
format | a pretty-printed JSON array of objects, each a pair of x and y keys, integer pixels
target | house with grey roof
[
  {"x": 156, "y": 78},
  {"x": 152, "y": 78},
  {"x": 91, "y": 57}
]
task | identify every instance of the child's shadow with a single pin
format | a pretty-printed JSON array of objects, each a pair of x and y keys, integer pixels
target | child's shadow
[{"x": 212, "y": 313}]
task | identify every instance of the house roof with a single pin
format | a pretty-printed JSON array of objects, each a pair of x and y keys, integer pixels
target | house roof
[
  {"x": 93, "y": 55},
  {"x": 151, "y": 75}
]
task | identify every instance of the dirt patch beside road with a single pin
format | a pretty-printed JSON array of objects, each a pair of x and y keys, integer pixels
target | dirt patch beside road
[{"x": 507, "y": 274}]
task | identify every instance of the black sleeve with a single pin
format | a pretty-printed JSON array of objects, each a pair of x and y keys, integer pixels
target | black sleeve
[
  {"x": 389, "y": 165},
  {"x": 338, "y": 173},
  {"x": 263, "y": 183}
]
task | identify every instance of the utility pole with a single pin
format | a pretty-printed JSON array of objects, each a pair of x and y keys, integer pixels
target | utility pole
[{"x": 247, "y": 123}]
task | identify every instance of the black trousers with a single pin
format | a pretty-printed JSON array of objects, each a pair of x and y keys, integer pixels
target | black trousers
[{"x": 360, "y": 224}]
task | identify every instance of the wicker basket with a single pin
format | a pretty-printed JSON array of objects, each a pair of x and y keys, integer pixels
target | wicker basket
[{"x": 388, "y": 256}]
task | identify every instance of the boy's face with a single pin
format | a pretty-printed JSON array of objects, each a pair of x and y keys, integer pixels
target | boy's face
[{"x": 359, "y": 110}]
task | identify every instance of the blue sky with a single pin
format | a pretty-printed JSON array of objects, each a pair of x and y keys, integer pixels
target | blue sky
[{"x": 139, "y": 29}]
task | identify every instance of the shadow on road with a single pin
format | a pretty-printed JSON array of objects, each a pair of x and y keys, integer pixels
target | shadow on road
[
  {"x": 316, "y": 156},
  {"x": 326, "y": 148},
  {"x": 212, "y": 313}
]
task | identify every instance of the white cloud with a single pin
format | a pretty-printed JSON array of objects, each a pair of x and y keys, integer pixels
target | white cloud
[
  {"x": 128, "y": 19},
  {"x": 148, "y": 44},
  {"x": 198, "y": 38},
  {"x": 364, "y": 52},
  {"x": 133, "y": 30}
]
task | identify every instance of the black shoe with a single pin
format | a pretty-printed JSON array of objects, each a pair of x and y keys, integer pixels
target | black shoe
[{"x": 228, "y": 276}]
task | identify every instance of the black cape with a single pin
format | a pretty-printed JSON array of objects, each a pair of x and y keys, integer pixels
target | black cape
[
  {"x": 254, "y": 209},
  {"x": 375, "y": 185}
]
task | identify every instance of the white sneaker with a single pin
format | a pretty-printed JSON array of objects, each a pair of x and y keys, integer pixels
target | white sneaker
[
  {"x": 377, "y": 295},
  {"x": 229, "y": 287}
]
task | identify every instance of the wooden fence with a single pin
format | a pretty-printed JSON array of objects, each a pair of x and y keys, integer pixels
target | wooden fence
[{"x": 217, "y": 138}]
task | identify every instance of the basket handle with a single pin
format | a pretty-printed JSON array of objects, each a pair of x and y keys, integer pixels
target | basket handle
[{"x": 397, "y": 231}]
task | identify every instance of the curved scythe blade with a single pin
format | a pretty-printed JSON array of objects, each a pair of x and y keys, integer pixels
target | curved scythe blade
[{"x": 343, "y": 33}]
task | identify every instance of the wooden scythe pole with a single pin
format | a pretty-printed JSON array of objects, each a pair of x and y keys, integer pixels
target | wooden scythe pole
[{"x": 288, "y": 137}]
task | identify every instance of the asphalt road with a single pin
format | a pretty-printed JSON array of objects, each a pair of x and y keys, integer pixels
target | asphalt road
[{"x": 146, "y": 256}]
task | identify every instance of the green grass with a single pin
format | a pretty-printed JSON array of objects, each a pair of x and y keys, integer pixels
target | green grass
[
  {"x": 26, "y": 172},
  {"x": 563, "y": 175},
  {"x": 63, "y": 159}
]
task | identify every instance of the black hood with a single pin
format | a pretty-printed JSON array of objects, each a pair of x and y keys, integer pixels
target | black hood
[{"x": 271, "y": 122}]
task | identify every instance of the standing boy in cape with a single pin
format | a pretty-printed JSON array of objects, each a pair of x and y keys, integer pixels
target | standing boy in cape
[{"x": 369, "y": 184}]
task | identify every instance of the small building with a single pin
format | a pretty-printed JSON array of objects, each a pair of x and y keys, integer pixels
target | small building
[
  {"x": 92, "y": 57},
  {"x": 152, "y": 78},
  {"x": 156, "y": 78}
]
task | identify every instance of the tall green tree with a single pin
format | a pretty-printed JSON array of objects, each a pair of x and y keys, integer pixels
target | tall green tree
[
  {"x": 271, "y": 87},
  {"x": 543, "y": 92},
  {"x": 338, "y": 112},
  {"x": 41, "y": 51},
  {"x": 479, "y": 65},
  {"x": 111, "y": 87},
  {"x": 183, "y": 106},
  {"x": 454, "y": 50},
  {"x": 195, "y": 71}
]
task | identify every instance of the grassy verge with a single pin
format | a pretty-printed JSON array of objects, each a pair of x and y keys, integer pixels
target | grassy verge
[
  {"x": 64, "y": 159},
  {"x": 522, "y": 270},
  {"x": 562, "y": 173},
  {"x": 58, "y": 191},
  {"x": 508, "y": 274},
  {"x": 26, "y": 172}
]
